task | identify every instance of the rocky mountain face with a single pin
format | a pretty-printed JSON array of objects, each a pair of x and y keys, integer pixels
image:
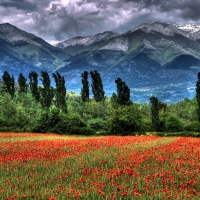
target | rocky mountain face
[
  {"x": 22, "y": 52},
  {"x": 79, "y": 44},
  {"x": 192, "y": 30},
  {"x": 153, "y": 59}
]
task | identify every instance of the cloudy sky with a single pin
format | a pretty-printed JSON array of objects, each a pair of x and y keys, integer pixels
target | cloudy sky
[{"x": 58, "y": 20}]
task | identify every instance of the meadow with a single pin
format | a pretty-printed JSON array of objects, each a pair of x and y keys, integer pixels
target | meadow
[{"x": 49, "y": 166}]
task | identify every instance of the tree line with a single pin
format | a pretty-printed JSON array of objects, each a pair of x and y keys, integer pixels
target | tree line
[{"x": 42, "y": 108}]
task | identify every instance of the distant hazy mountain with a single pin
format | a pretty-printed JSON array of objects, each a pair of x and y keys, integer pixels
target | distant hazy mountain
[
  {"x": 153, "y": 58},
  {"x": 22, "y": 51}
]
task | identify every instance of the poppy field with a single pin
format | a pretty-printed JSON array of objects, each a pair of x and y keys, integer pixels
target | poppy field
[{"x": 48, "y": 166}]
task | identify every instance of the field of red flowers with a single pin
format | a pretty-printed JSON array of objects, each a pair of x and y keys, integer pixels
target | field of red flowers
[{"x": 37, "y": 166}]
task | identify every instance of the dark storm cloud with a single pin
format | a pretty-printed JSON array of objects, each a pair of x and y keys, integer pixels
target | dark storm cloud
[
  {"x": 185, "y": 9},
  {"x": 19, "y": 4},
  {"x": 56, "y": 20}
]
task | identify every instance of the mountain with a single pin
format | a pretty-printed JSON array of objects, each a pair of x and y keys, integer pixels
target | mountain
[
  {"x": 21, "y": 51},
  {"x": 153, "y": 58},
  {"x": 192, "y": 31},
  {"x": 79, "y": 44}
]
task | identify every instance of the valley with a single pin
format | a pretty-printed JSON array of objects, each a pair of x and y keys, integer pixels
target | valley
[{"x": 153, "y": 58}]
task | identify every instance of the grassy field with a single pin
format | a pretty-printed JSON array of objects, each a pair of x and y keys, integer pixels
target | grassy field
[{"x": 38, "y": 166}]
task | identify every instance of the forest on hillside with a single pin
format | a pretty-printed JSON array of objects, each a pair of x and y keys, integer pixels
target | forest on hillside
[{"x": 26, "y": 106}]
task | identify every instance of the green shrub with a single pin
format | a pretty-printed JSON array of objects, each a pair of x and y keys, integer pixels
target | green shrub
[
  {"x": 147, "y": 125},
  {"x": 102, "y": 132},
  {"x": 56, "y": 122},
  {"x": 177, "y": 134},
  {"x": 173, "y": 124},
  {"x": 126, "y": 120},
  {"x": 193, "y": 126},
  {"x": 98, "y": 124},
  {"x": 161, "y": 126},
  {"x": 81, "y": 131}
]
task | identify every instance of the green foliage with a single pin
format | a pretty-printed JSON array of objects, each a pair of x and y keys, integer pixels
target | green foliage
[
  {"x": 97, "y": 86},
  {"x": 7, "y": 111},
  {"x": 98, "y": 124},
  {"x": 18, "y": 115},
  {"x": 146, "y": 125},
  {"x": 60, "y": 92},
  {"x": 57, "y": 122},
  {"x": 85, "y": 88},
  {"x": 88, "y": 116},
  {"x": 173, "y": 124},
  {"x": 9, "y": 83},
  {"x": 126, "y": 120},
  {"x": 81, "y": 131},
  {"x": 185, "y": 109},
  {"x": 23, "y": 87},
  {"x": 113, "y": 101},
  {"x": 33, "y": 76},
  {"x": 193, "y": 126},
  {"x": 177, "y": 134},
  {"x": 198, "y": 96},
  {"x": 46, "y": 92},
  {"x": 154, "y": 113},
  {"x": 161, "y": 126},
  {"x": 123, "y": 92},
  {"x": 145, "y": 109},
  {"x": 92, "y": 109}
]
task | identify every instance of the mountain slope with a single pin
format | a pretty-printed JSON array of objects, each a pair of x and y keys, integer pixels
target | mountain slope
[
  {"x": 79, "y": 44},
  {"x": 28, "y": 49},
  {"x": 153, "y": 59},
  {"x": 192, "y": 30}
]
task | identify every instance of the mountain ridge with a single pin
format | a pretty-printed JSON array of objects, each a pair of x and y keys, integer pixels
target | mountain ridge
[{"x": 153, "y": 58}]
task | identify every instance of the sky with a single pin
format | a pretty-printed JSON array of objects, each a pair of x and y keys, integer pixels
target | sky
[{"x": 59, "y": 20}]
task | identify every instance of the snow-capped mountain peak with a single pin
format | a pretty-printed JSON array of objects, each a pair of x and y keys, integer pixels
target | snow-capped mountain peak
[
  {"x": 164, "y": 28},
  {"x": 192, "y": 28}
]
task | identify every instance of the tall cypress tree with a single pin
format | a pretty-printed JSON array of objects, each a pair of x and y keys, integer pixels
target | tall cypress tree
[
  {"x": 123, "y": 92},
  {"x": 46, "y": 92},
  {"x": 97, "y": 86},
  {"x": 154, "y": 112},
  {"x": 23, "y": 87},
  {"x": 33, "y": 76},
  {"x": 60, "y": 91},
  {"x": 198, "y": 96},
  {"x": 85, "y": 88},
  {"x": 9, "y": 83}
]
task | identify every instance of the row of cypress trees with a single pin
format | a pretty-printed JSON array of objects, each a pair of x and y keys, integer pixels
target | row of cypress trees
[
  {"x": 45, "y": 94},
  {"x": 121, "y": 98},
  {"x": 97, "y": 86}
]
